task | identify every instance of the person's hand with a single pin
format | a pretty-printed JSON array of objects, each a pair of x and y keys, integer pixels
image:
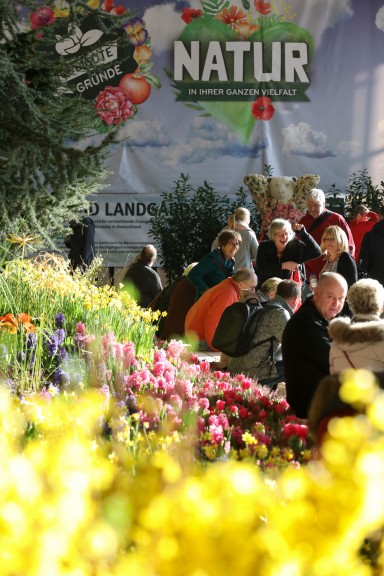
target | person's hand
[
  {"x": 297, "y": 227},
  {"x": 291, "y": 266}
]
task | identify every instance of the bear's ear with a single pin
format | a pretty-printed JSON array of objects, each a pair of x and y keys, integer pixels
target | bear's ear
[{"x": 294, "y": 178}]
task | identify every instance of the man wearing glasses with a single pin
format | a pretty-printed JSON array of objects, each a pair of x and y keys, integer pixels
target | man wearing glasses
[{"x": 202, "y": 319}]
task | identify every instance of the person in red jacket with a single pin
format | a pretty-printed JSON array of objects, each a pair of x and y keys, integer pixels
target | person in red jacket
[
  {"x": 363, "y": 221},
  {"x": 202, "y": 319},
  {"x": 317, "y": 219}
]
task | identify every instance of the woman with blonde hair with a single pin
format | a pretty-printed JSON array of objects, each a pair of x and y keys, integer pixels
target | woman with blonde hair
[
  {"x": 358, "y": 342},
  {"x": 335, "y": 254},
  {"x": 286, "y": 249},
  {"x": 247, "y": 252},
  {"x": 267, "y": 290}
]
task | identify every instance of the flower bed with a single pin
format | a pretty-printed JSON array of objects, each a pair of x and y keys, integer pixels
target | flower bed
[{"x": 120, "y": 455}]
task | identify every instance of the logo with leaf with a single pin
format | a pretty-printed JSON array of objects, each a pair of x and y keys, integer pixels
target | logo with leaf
[{"x": 240, "y": 104}]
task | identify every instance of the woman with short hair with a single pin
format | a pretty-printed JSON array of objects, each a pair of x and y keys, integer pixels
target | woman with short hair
[
  {"x": 217, "y": 265},
  {"x": 285, "y": 250}
]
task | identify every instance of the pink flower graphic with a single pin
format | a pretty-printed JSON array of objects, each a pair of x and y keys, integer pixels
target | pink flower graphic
[
  {"x": 42, "y": 17},
  {"x": 113, "y": 106}
]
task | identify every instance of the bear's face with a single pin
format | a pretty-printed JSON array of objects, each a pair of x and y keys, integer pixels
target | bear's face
[{"x": 282, "y": 188}]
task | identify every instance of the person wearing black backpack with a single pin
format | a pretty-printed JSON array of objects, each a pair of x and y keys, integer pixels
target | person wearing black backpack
[{"x": 264, "y": 359}]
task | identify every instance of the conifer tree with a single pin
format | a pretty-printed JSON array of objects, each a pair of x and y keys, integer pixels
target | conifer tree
[{"x": 46, "y": 169}]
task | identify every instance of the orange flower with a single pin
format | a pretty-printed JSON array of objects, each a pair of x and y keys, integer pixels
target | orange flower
[
  {"x": 232, "y": 17},
  {"x": 245, "y": 29},
  {"x": 8, "y": 323},
  {"x": 142, "y": 54},
  {"x": 25, "y": 320},
  {"x": 262, "y": 7},
  {"x": 8, "y": 319},
  {"x": 11, "y": 324}
]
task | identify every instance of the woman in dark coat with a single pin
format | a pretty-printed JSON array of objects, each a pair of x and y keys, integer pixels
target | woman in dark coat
[
  {"x": 217, "y": 265},
  {"x": 282, "y": 254}
]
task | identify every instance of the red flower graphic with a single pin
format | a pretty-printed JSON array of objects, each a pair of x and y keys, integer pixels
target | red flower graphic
[
  {"x": 262, "y": 7},
  {"x": 262, "y": 108},
  {"x": 189, "y": 14},
  {"x": 42, "y": 17},
  {"x": 232, "y": 17},
  {"x": 113, "y": 106},
  {"x": 109, "y": 6}
]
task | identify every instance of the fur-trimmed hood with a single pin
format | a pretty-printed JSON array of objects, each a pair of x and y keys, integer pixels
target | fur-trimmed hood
[{"x": 361, "y": 329}]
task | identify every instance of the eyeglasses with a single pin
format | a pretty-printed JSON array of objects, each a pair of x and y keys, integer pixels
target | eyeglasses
[
  {"x": 329, "y": 239},
  {"x": 234, "y": 243}
]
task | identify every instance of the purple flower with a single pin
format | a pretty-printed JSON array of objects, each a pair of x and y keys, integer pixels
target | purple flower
[
  {"x": 60, "y": 335},
  {"x": 60, "y": 377},
  {"x": 52, "y": 344},
  {"x": 31, "y": 340},
  {"x": 59, "y": 320}
]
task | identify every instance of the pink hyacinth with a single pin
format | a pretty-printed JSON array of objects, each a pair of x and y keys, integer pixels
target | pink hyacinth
[{"x": 204, "y": 403}]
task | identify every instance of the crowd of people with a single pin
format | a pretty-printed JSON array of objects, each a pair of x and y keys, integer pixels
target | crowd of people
[{"x": 308, "y": 332}]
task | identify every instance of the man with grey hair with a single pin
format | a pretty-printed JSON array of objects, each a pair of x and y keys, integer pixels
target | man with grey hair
[
  {"x": 317, "y": 219},
  {"x": 306, "y": 342}
]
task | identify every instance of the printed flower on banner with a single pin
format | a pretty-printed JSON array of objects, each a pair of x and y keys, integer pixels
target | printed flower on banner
[
  {"x": 62, "y": 7},
  {"x": 245, "y": 29},
  {"x": 113, "y": 106},
  {"x": 42, "y": 17},
  {"x": 109, "y": 6},
  {"x": 262, "y": 108},
  {"x": 232, "y": 17},
  {"x": 142, "y": 54},
  {"x": 188, "y": 14},
  {"x": 263, "y": 7},
  {"x": 136, "y": 31}
]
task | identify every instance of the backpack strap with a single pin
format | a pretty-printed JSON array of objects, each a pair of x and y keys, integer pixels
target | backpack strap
[
  {"x": 348, "y": 359},
  {"x": 322, "y": 218}
]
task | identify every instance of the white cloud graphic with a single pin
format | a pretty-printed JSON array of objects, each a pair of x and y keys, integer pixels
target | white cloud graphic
[
  {"x": 164, "y": 26},
  {"x": 379, "y": 20},
  {"x": 144, "y": 133},
  {"x": 319, "y": 15},
  {"x": 302, "y": 140},
  {"x": 206, "y": 138}
]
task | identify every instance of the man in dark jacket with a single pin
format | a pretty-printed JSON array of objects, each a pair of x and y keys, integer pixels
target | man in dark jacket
[
  {"x": 145, "y": 280},
  {"x": 372, "y": 251},
  {"x": 81, "y": 243},
  {"x": 306, "y": 344}
]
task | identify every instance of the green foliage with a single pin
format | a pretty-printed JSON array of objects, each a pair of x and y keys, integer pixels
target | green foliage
[
  {"x": 213, "y": 7},
  {"x": 333, "y": 201},
  {"x": 361, "y": 190},
  {"x": 188, "y": 220},
  {"x": 45, "y": 176}
]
